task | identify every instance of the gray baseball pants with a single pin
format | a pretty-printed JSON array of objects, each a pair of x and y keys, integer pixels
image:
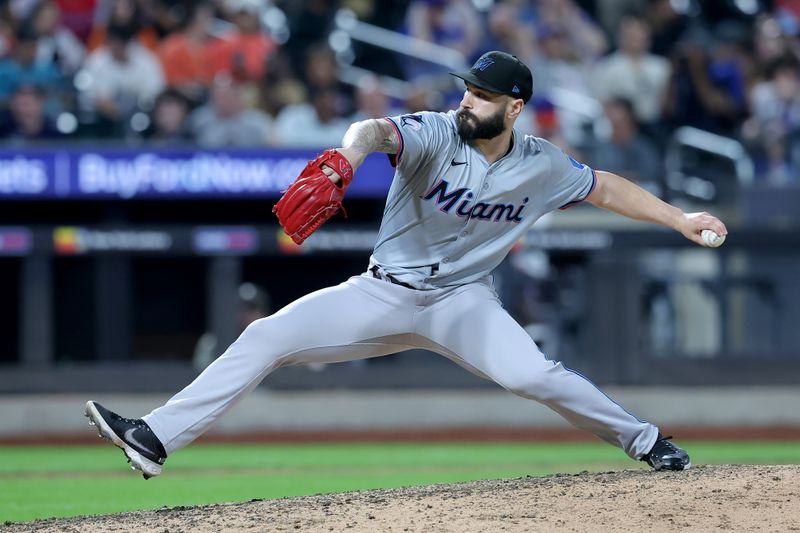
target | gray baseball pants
[{"x": 368, "y": 317}]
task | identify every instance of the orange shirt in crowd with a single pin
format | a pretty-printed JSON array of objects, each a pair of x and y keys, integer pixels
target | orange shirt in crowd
[
  {"x": 185, "y": 61},
  {"x": 254, "y": 49}
]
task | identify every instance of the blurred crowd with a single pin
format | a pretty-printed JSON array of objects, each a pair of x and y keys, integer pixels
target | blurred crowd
[{"x": 612, "y": 78}]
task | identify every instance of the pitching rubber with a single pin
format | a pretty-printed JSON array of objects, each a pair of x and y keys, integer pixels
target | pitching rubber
[{"x": 147, "y": 467}]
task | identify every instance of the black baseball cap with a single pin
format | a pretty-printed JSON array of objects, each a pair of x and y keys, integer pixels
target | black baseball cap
[{"x": 501, "y": 73}]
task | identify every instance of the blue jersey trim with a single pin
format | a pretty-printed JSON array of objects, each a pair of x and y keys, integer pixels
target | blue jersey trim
[
  {"x": 573, "y": 203},
  {"x": 394, "y": 159}
]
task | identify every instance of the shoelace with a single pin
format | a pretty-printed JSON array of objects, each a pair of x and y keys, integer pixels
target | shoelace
[{"x": 134, "y": 422}]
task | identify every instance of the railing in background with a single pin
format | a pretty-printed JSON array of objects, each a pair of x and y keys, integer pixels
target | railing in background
[
  {"x": 705, "y": 188},
  {"x": 349, "y": 29},
  {"x": 352, "y": 28}
]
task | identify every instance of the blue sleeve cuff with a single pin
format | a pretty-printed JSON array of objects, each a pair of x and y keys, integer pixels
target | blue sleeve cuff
[{"x": 573, "y": 203}]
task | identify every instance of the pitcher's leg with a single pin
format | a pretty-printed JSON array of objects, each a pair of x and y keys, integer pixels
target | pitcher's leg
[
  {"x": 476, "y": 332},
  {"x": 357, "y": 319}
]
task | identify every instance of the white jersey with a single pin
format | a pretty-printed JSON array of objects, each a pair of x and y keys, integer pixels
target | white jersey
[{"x": 450, "y": 216}]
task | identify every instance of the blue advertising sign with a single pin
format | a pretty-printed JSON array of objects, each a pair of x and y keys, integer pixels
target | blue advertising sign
[
  {"x": 184, "y": 173},
  {"x": 27, "y": 175}
]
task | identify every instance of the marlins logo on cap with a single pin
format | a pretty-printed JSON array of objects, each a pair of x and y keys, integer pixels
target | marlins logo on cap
[{"x": 483, "y": 63}]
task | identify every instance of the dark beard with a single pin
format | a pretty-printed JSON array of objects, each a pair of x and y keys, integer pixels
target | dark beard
[{"x": 471, "y": 128}]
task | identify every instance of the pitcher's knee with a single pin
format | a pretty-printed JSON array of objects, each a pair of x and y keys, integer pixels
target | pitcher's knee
[{"x": 261, "y": 338}]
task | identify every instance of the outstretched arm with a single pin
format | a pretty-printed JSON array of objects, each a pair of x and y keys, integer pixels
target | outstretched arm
[
  {"x": 363, "y": 138},
  {"x": 619, "y": 195}
]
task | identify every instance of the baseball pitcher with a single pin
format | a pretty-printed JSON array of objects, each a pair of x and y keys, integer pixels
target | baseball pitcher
[{"x": 467, "y": 186}]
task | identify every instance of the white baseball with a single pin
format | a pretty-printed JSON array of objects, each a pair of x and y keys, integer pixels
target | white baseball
[{"x": 712, "y": 239}]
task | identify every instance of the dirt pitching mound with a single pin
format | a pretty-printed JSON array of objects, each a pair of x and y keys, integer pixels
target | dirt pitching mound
[{"x": 736, "y": 498}]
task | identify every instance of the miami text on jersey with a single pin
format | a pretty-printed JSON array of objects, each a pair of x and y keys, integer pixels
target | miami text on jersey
[{"x": 480, "y": 210}]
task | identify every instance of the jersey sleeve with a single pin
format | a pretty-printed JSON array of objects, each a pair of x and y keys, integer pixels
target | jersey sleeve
[
  {"x": 570, "y": 181},
  {"x": 421, "y": 136}
]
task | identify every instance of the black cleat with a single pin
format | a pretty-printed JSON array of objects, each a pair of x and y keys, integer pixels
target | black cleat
[
  {"x": 666, "y": 456},
  {"x": 133, "y": 436}
]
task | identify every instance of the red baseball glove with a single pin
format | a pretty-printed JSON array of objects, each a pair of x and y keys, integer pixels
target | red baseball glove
[{"x": 313, "y": 198}]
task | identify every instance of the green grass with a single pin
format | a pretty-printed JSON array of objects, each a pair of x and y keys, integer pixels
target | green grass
[{"x": 40, "y": 482}]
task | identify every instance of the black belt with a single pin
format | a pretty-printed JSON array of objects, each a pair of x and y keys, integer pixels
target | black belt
[{"x": 388, "y": 277}]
